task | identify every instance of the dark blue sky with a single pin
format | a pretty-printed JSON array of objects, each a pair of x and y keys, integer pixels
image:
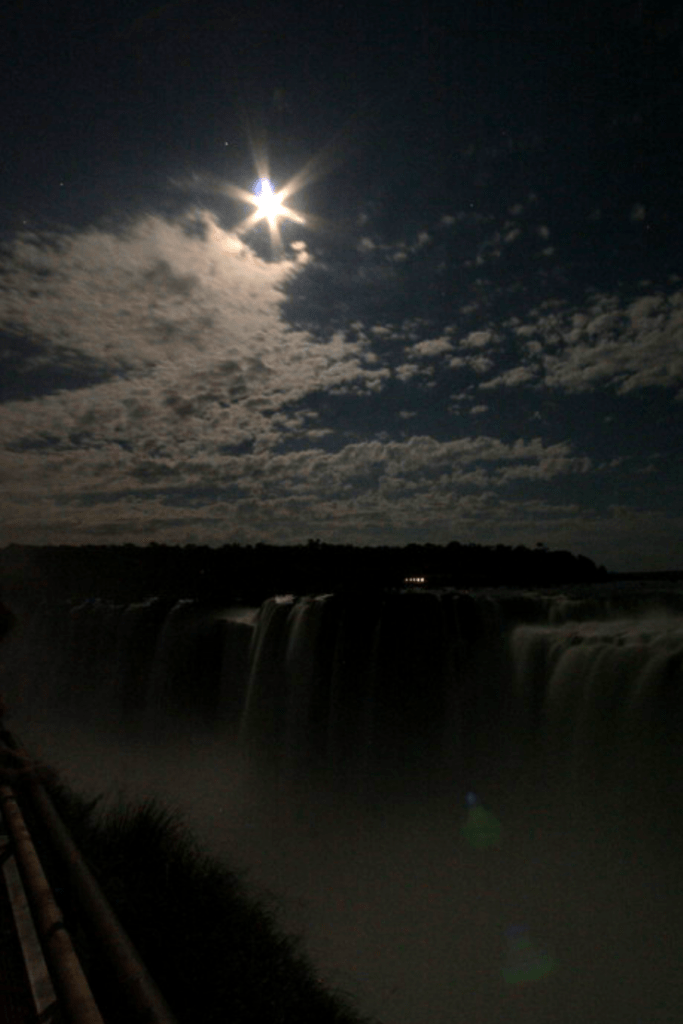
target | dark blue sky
[{"x": 476, "y": 333}]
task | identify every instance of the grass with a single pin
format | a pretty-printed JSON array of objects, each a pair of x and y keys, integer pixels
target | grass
[{"x": 213, "y": 947}]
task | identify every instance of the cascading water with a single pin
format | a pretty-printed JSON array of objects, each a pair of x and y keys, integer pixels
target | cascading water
[
  {"x": 436, "y": 680},
  {"x": 380, "y": 713},
  {"x": 605, "y": 700}
]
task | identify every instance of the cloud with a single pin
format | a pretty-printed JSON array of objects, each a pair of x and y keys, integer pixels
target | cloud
[
  {"x": 186, "y": 328},
  {"x": 510, "y": 378},
  {"x": 477, "y": 339},
  {"x": 200, "y": 386},
  {"x": 406, "y": 371},
  {"x": 431, "y": 347},
  {"x": 404, "y": 480},
  {"x": 624, "y": 345},
  {"x": 148, "y": 294},
  {"x": 214, "y": 412}
]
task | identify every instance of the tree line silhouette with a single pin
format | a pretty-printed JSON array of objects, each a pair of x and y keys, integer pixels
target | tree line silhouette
[{"x": 251, "y": 573}]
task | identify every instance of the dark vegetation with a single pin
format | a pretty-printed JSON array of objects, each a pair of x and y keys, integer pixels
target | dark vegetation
[
  {"x": 211, "y": 944},
  {"x": 253, "y": 573}
]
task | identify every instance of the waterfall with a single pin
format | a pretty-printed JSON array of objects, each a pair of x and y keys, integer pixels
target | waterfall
[
  {"x": 605, "y": 699},
  {"x": 416, "y": 682}
]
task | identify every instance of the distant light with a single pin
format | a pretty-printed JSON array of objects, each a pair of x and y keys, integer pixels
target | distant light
[{"x": 415, "y": 579}]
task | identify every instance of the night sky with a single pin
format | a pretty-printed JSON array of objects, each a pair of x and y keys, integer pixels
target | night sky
[{"x": 470, "y": 329}]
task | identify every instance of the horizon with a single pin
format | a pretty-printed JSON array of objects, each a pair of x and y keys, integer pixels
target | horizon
[{"x": 313, "y": 544}]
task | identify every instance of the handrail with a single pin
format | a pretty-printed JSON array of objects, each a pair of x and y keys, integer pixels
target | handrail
[
  {"x": 136, "y": 985},
  {"x": 67, "y": 974}
]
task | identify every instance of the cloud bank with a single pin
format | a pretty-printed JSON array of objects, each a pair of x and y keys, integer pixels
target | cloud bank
[{"x": 197, "y": 412}]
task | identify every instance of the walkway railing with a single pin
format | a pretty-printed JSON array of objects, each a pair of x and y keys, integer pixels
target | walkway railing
[{"x": 58, "y": 989}]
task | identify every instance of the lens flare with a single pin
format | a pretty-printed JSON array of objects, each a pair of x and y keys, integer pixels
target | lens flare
[{"x": 268, "y": 204}]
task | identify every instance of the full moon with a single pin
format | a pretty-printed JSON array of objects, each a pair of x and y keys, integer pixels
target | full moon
[
  {"x": 269, "y": 207},
  {"x": 268, "y": 203}
]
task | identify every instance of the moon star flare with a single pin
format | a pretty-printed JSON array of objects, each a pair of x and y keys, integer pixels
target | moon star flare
[{"x": 268, "y": 206}]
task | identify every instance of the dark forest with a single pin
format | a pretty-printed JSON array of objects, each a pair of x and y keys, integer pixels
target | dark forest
[{"x": 250, "y": 574}]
